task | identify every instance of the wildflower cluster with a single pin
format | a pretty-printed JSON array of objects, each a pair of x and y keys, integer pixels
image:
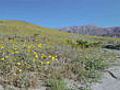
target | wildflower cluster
[{"x": 26, "y": 56}]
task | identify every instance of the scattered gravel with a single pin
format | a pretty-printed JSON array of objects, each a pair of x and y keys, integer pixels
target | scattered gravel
[{"x": 107, "y": 82}]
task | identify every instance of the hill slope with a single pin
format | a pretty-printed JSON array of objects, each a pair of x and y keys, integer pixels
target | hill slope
[
  {"x": 31, "y": 57},
  {"x": 12, "y": 27},
  {"x": 47, "y": 35}
]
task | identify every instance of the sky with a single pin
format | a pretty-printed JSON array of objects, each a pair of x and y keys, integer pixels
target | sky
[{"x": 62, "y": 13}]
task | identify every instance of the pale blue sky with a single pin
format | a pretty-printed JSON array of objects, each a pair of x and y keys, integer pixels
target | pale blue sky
[{"x": 62, "y": 13}]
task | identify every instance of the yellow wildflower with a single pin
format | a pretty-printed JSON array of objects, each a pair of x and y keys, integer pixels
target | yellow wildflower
[
  {"x": 34, "y": 59},
  {"x": 3, "y": 59},
  {"x": 20, "y": 70},
  {"x": 22, "y": 61},
  {"x": 34, "y": 46},
  {"x": 50, "y": 56},
  {"x": 29, "y": 46},
  {"x": 56, "y": 55},
  {"x": 15, "y": 59},
  {"x": 42, "y": 57},
  {"x": 36, "y": 56},
  {"x": 6, "y": 56},
  {"x": 16, "y": 52},
  {"x": 2, "y": 47},
  {"x": 35, "y": 52},
  {"x": 24, "y": 45},
  {"x": 11, "y": 41},
  {"x": 3, "y": 53},
  {"x": 44, "y": 44},
  {"x": 18, "y": 63},
  {"x": 42, "y": 62},
  {"x": 15, "y": 48},
  {"x": 39, "y": 45},
  {"x": 12, "y": 52},
  {"x": 48, "y": 62},
  {"x": 29, "y": 50},
  {"x": 10, "y": 60},
  {"x": 53, "y": 58}
]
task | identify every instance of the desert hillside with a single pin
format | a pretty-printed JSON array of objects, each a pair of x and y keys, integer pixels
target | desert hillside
[{"x": 39, "y": 58}]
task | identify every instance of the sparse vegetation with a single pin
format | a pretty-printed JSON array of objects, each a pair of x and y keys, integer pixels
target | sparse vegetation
[
  {"x": 30, "y": 54},
  {"x": 56, "y": 84}
]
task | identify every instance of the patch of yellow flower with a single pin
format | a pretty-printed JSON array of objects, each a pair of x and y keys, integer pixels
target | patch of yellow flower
[
  {"x": 6, "y": 56},
  {"x": 2, "y": 47},
  {"x": 50, "y": 56},
  {"x": 48, "y": 62},
  {"x": 42, "y": 57},
  {"x": 16, "y": 52},
  {"x": 15, "y": 48},
  {"x": 3, "y": 59},
  {"x": 35, "y": 52},
  {"x": 34, "y": 59},
  {"x": 18, "y": 63},
  {"x": 42, "y": 62},
  {"x": 3, "y": 53},
  {"x": 39, "y": 45},
  {"x": 53, "y": 58},
  {"x": 20, "y": 70}
]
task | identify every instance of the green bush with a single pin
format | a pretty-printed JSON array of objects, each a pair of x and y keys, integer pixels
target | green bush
[
  {"x": 86, "y": 44},
  {"x": 56, "y": 84}
]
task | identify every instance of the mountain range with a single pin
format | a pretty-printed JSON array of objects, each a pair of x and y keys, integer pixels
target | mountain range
[{"x": 93, "y": 30}]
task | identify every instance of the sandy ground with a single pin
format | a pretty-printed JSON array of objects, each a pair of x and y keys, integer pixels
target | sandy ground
[{"x": 107, "y": 81}]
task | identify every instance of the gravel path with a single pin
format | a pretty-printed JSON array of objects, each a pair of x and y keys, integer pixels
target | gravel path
[{"x": 107, "y": 81}]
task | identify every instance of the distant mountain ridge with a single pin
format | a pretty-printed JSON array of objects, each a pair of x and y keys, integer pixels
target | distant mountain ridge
[{"x": 92, "y": 30}]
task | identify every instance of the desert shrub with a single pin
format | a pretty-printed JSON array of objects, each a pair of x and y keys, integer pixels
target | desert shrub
[
  {"x": 56, "y": 84},
  {"x": 83, "y": 43},
  {"x": 86, "y": 44}
]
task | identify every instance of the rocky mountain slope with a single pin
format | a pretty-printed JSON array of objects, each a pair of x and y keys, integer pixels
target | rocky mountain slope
[{"x": 92, "y": 30}]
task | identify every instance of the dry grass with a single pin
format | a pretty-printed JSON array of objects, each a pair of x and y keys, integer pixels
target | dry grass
[{"x": 28, "y": 67}]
